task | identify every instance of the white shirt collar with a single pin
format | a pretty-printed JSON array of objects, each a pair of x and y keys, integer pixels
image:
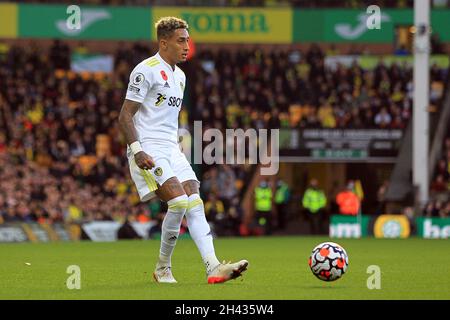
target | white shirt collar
[{"x": 164, "y": 61}]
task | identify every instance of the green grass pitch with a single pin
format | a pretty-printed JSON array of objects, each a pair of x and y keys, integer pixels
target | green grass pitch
[{"x": 410, "y": 269}]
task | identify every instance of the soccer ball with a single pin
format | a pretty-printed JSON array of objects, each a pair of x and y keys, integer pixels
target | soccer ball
[{"x": 328, "y": 261}]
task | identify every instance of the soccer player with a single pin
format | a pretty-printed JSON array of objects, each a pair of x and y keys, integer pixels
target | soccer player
[{"x": 149, "y": 121}]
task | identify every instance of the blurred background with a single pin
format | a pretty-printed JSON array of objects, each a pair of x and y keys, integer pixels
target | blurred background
[{"x": 341, "y": 94}]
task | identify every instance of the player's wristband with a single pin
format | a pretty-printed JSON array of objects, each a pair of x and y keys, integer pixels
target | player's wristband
[{"x": 135, "y": 147}]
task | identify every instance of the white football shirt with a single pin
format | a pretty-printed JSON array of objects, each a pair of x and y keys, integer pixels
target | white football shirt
[{"x": 160, "y": 90}]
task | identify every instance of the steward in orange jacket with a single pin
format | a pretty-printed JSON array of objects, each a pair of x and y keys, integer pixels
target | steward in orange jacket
[{"x": 348, "y": 202}]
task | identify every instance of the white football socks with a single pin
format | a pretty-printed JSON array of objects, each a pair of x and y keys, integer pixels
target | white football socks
[
  {"x": 201, "y": 232},
  {"x": 171, "y": 229}
]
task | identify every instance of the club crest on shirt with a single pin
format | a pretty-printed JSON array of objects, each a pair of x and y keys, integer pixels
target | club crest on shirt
[{"x": 158, "y": 171}]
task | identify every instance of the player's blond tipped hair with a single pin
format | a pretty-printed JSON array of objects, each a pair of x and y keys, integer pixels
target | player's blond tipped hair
[{"x": 167, "y": 25}]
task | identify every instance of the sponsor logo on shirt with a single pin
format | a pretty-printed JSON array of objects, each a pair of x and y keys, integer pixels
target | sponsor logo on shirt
[
  {"x": 173, "y": 101},
  {"x": 133, "y": 88},
  {"x": 160, "y": 99}
]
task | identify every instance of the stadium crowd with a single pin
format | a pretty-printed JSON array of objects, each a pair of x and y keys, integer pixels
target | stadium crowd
[
  {"x": 439, "y": 206},
  {"x": 288, "y": 89},
  {"x": 60, "y": 158},
  {"x": 60, "y": 146},
  {"x": 441, "y": 182}
]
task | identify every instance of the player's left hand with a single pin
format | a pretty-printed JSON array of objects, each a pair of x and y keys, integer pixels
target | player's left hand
[{"x": 144, "y": 161}]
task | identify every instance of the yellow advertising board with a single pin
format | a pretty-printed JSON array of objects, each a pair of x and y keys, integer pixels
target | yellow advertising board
[
  {"x": 391, "y": 226},
  {"x": 8, "y": 20},
  {"x": 232, "y": 25}
]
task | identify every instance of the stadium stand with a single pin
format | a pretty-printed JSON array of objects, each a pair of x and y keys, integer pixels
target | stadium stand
[
  {"x": 59, "y": 150},
  {"x": 439, "y": 206}
]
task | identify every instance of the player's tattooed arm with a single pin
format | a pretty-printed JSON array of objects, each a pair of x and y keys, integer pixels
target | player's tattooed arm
[{"x": 129, "y": 108}]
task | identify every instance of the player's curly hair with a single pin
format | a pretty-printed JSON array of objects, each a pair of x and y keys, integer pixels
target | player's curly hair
[{"x": 167, "y": 25}]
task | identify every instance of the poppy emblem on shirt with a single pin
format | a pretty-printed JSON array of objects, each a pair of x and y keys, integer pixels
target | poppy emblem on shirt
[{"x": 164, "y": 75}]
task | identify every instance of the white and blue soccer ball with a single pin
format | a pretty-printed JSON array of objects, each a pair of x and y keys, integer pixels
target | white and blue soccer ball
[{"x": 328, "y": 261}]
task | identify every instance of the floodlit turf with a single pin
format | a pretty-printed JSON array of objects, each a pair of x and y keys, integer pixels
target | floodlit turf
[{"x": 410, "y": 269}]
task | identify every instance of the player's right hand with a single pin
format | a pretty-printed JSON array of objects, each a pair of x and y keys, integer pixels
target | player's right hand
[{"x": 144, "y": 161}]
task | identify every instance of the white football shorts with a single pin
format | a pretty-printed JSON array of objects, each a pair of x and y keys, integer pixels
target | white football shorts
[{"x": 170, "y": 162}]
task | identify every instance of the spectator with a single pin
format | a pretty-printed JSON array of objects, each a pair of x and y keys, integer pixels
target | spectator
[
  {"x": 314, "y": 202},
  {"x": 408, "y": 212},
  {"x": 439, "y": 185},
  {"x": 445, "y": 211},
  {"x": 381, "y": 195},
  {"x": 214, "y": 208},
  {"x": 383, "y": 118},
  {"x": 326, "y": 116},
  {"x": 282, "y": 195},
  {"x": 443, "y": 169},
  {"x": 227, "y": 182},
  {"x": 225, "y": 222},
  {"x": 431, "y": 210},
  {"x": 348, "y": 202},
  {"x": 2, "y": 208},
  {"x": 210, "y": 182},
  {"x": 155, "y": 230},
  {"x": 235, "y": 215},
  {"x": 263, "y": 206},
  {"x": 126, "y": 231}
]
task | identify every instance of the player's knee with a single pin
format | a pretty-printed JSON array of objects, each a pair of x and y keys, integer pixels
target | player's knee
[
  {"x": 194, "y": 201},
  {"x": 178, "y": 204}
]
